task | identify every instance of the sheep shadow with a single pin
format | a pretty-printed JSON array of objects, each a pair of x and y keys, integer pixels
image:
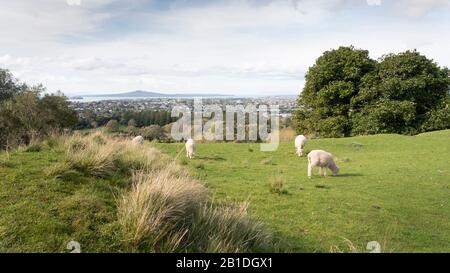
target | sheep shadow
[
  {"x": 321, "y": 186},
  {"x": 348, "y": 175},
  {"x": 213, "y": 158}
]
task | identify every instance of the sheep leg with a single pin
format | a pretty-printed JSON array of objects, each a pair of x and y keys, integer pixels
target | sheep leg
[
  {"x": 325, "y": 172},
  {"x": 310, "y": 170},
  {"x": 320, "y": 171}
]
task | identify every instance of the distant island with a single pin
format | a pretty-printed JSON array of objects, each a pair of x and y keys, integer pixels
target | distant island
[{"x": 147, "y": 94}]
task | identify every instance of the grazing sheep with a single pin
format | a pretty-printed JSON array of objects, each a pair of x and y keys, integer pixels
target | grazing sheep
[
  {"x": 300, "y": 142},
  {"x": 139, "y": 140},
  {"x": 190, "y": 148},
  {"x": 322, "y": 159}
]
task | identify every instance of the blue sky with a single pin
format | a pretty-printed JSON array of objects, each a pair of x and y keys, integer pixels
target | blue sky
[{"x": 244, "y": 47}]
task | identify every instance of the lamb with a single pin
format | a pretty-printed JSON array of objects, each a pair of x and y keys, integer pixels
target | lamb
[
  {"x": 139, "y": 140},
  {"x": 300, "y": 142},
  {"x": 322, "y": 159},
  {"x": 190, "y": 148}
]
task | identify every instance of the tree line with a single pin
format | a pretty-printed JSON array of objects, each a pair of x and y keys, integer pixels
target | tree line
[
  {"x": 89, "y": 119},
  {"x": 347, "y": 93}
]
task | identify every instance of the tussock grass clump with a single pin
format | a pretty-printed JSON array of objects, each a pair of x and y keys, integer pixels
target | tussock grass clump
[
  {"x": 135, "y": 157},
  {"x": 267, "y": 161},
  {"x": 277, "y": 185},
  {"x": 165, "y": 212},
  {"x": 229, "y": 229},
  {"x": 152, "y": 213},
  {"x": 58, "y": 169},
  {"x": 93, "y": 159},
  {"x": 200, "y": 166},
  {"x": 99, "y": 156}
]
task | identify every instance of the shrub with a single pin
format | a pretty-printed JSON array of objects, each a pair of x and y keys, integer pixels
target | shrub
[
  {"x": 27, "y": 115},
  {"x": 152, "y": 132},
  {"x": 112, "y": 126}
]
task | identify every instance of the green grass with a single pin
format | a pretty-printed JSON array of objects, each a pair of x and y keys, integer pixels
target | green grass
[
  {"x": 111, "y": 195},
  {"x": 40, "y": 214},
  {"x": 392, "y": 189}
]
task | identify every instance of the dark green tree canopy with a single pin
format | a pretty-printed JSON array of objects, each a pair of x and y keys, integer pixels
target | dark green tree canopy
[
  {"x": 347, "y": 93},
  {"x": 331, "y": 83}
]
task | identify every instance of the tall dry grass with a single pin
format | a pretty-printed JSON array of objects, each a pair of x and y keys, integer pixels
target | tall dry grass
[
  {"x": 154, "y": 211},
  {"x": 165, "y": 209},
  {"x": 100, "y": 156}
]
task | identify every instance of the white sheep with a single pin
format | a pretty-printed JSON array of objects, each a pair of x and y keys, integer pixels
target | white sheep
[
  {"x": 300, "y": 142},
  {"x": 322, "y": 159},
  {"x": 190, "y": 148},
  {"x": 139, "y": 140}
]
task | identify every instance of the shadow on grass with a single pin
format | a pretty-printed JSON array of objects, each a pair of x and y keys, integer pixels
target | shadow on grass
[
  {"x": 215, "y": 158},
  {"x": 348, "y": 175},
  {"x": 325, "y": 187}
]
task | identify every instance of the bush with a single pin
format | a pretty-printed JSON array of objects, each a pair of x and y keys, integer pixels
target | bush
[
  {"x": 26, "y": 114},
  {"x": 112, "y": 126},
  {"x": 152, "y": 132}
]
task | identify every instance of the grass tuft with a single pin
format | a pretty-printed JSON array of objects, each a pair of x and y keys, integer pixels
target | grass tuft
[{"x": 277, "y": 185}]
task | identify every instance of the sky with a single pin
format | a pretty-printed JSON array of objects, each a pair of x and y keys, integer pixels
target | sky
[{"x": 238, "y": 47}]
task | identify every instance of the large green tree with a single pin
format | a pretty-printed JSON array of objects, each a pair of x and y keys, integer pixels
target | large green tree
[
  {"x": 405, "y": 94},
  {"x": 324, "y": 107},
  {"x": 347, "y": 93}
]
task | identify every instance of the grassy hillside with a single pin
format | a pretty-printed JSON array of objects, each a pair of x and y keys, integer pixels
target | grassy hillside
[
  {"x": 43, "y": 214},
  {"x": 392, "y": 189},
  {"x": 110, "y": 195}
]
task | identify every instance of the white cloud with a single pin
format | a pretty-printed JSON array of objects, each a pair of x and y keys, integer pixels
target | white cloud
[
  {"x": 374, "y": 2},
  {"x": 73, "y": 2},
  {"x": 418, "y": 8},
  {"x": 8, "y": 61},
  {"x": 230, "y": 46}
]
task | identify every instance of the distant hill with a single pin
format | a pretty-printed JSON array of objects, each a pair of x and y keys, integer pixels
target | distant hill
[{"x": 147, "y": 94}]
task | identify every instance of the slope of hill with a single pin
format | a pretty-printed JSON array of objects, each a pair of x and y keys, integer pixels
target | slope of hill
[
  {"x": 109, "y": 195},
  {"x": 392, "y": 189}
]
